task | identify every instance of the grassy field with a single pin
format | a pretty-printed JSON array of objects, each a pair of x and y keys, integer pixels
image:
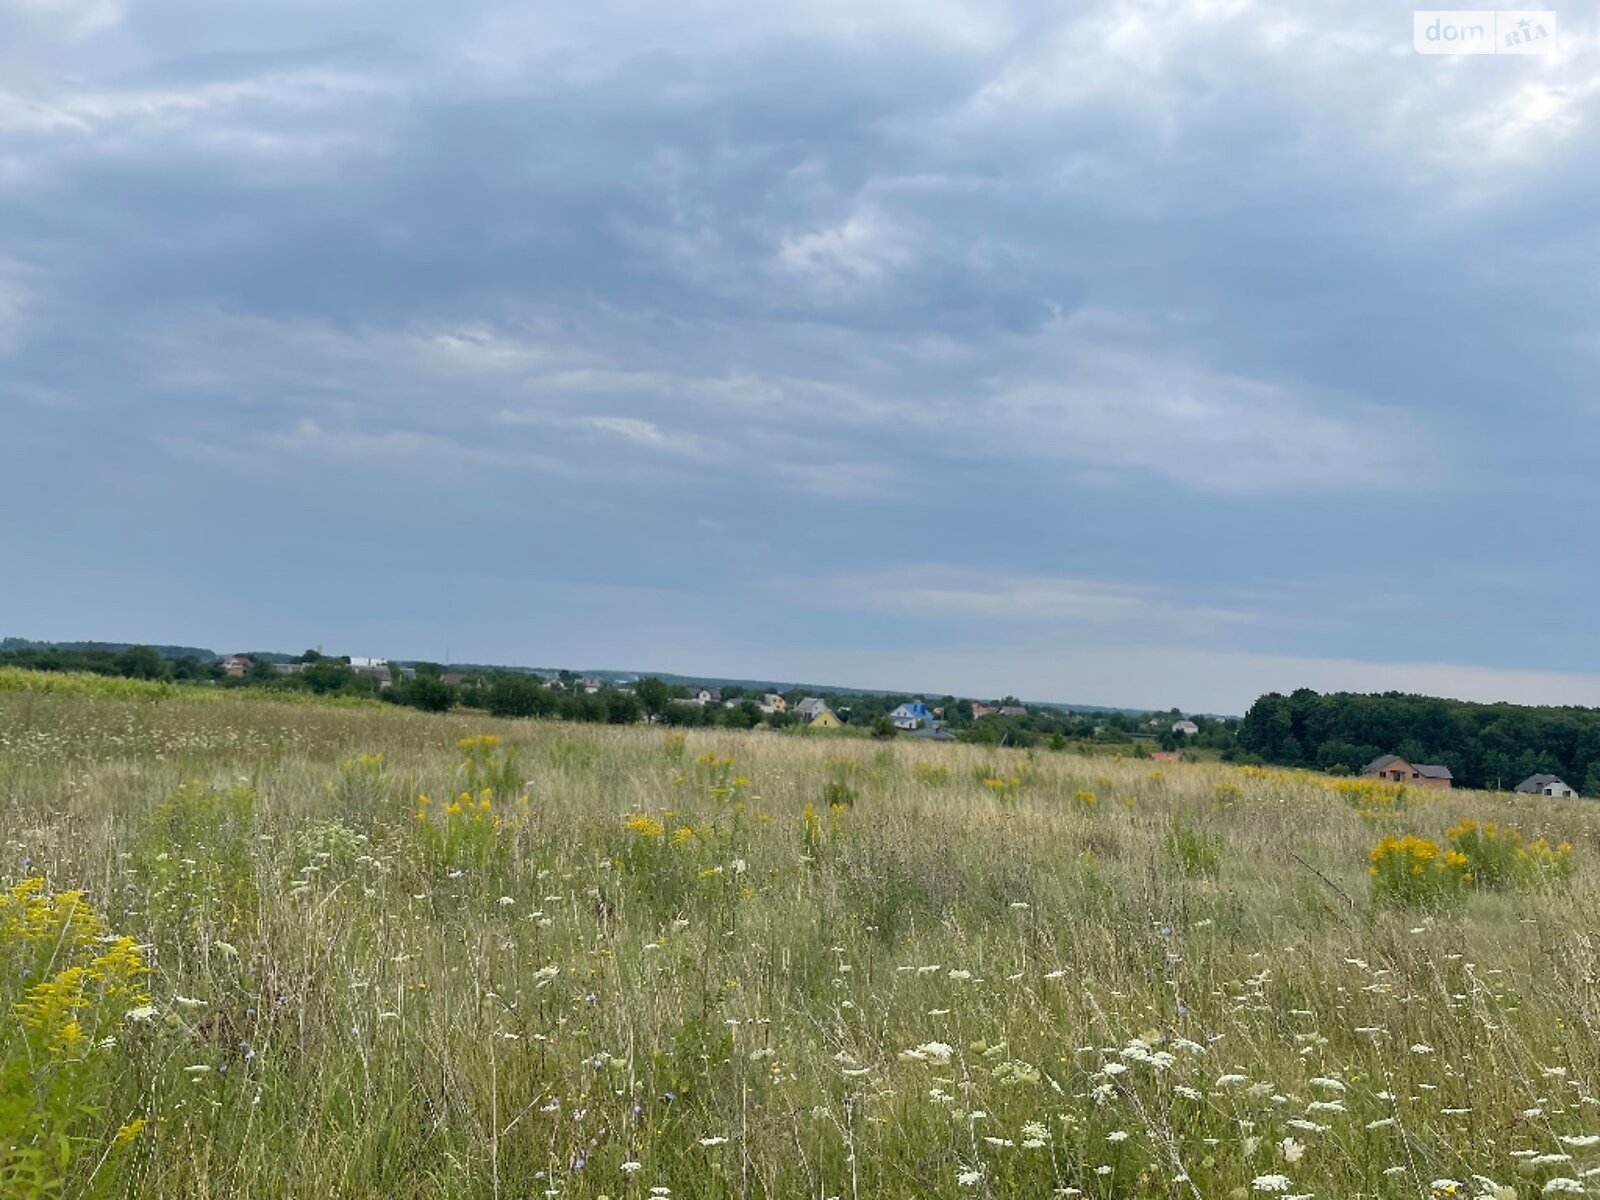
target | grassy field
[{"x": 608, "y": 962}]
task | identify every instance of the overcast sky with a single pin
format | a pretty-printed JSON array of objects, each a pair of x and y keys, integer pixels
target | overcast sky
[{"x": 1137, "y": 352}]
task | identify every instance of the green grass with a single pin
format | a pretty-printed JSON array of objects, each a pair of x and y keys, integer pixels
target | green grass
[{"x": 965, "y": 981}]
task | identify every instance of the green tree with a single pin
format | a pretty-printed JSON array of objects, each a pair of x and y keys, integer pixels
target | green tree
[
  {"x": 653, "y": 694},
  {"x": 744, "y": 715},
  {"x": 427, "y": 693},
  {"x": 326, "y": 676},
  {"x": 140, "y": 662},
  {"x": 621, "y": 708},
  {"x": 514, "y": 695}
]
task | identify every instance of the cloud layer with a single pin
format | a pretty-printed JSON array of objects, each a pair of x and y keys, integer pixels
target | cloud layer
[{"x": 1228, "y": 328}]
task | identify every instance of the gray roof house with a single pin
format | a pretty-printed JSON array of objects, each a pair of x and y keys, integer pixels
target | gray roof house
[
  {"x": 810, "y": 707},
  {"x": 1545, "y": 785},
  {"x": 1394, "y": 769}
]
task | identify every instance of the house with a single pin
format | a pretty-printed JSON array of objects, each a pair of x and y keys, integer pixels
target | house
[
  {"x": 236, "y": 665},
  {"x": 997, "y": 710},
  {"x": 291, "y": 668},
  {"x": 454, "y": 678},
  {"x": 705, "y": 695},
  {"x": 373, "y": 668},
  {"x": 810, "y": 708},
  {"x": 933, "y": 733},
  {"x": 591, "y": 685},
  {"x": 1166, "y": 756},
  {"x": 1393, "y": 769},
  {"x": 824, "y": 720},
  {"x": 1187, "y": 728},
  {"x": 774, "y": 703},
  {"x": 1545, "y": 785},
  {"x": 912, "y": 715}
]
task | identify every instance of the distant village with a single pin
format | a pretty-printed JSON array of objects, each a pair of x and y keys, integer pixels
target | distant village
[
  {"x": 1531, "y": 751},
  {"x": 1004, "y": 721}
]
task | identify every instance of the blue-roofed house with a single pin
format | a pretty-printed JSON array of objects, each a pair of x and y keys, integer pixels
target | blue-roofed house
[{"x": 911, "y": 716}]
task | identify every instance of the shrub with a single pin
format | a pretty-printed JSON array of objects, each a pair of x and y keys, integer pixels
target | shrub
[
  {"x": 1496, "y": 858},
  {"x": 1372, "y": 799},
  {"x": 477, "y": 828},
  {"x": 1413, "y": 870},
  {"x": 66, "y": 986}
]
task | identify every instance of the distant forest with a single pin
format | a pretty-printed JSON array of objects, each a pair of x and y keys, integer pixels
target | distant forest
[{"x": 1484, "y": 745}]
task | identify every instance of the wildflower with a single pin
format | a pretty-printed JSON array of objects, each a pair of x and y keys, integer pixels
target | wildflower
[
  {"x": 713, "y": 1141},
  {"x": 1271, "y": 1183},
  {"x": 1291, "y": 1149},
  {"x": 645, "y": 826},
  {"x": 969, "y": 1178},
  {"x": 1562, "y": 1184},
  {"x": 1580, "y": 1141}
]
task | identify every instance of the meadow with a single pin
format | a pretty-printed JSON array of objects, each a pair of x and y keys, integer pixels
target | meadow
[{"x": 261, "y": 949}]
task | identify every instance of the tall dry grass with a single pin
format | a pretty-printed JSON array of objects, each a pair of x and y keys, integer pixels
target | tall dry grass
[{"x": 757, "y": 965}]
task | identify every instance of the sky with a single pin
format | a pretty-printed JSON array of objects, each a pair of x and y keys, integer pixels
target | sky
[{"x": 1129, "y": 352}]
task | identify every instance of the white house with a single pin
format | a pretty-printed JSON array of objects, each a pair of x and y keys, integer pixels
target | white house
[
  {"x": 1187, "y": 728},
  {"x": 1545, "y": 785},
  {"x": 911, "y": 716}
]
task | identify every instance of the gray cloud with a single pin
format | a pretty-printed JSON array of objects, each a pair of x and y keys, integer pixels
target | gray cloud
[{"x": 1136, "y": 289}]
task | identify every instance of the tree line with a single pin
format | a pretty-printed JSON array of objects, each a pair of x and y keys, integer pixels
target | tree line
[{"x": 1484, "y": 745}]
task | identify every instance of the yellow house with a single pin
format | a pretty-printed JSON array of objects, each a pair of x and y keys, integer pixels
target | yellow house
[{"x": 824, "y": 720}]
